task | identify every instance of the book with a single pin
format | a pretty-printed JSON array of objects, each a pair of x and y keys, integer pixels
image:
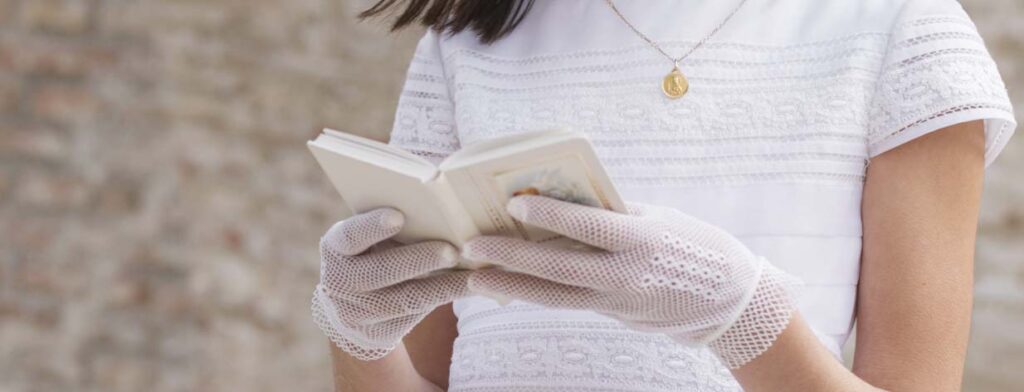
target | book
[{"x": 465, "y": 195}]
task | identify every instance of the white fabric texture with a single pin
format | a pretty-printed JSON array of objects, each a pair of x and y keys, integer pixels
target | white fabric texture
[
  {"x": 367, "y": 300},
  {"x": 655, "y": 269},
  {"x": 787, "y": 104}
]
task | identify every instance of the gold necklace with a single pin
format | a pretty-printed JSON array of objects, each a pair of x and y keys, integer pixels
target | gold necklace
[{"x": 675, "y": 85}]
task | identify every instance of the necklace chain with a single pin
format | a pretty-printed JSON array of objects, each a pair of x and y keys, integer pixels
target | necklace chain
[{"x": 700, "y": 43}]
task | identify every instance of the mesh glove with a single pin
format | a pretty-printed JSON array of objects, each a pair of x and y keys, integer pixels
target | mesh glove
[
  {"x": 657, "y": 270},
  {"x": 367, "y": 301}
]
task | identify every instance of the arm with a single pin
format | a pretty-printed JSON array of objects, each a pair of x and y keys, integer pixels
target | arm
[
  {"x": 394, "y": 372},
  {"x": 430, "y": 345},
  {"x": 920, "y": 210},
  {"x": 918, "y": 260}
]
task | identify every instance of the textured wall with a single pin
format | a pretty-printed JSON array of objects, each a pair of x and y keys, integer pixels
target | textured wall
[{"x": 159, "y": 212}]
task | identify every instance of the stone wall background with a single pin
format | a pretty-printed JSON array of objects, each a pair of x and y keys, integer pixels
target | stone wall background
[{"x": 159, "y": 212}]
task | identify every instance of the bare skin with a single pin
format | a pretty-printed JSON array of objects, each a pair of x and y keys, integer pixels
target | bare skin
[
  {"x": 919, "y": 213},
  {"x": 921, "y": 218}
]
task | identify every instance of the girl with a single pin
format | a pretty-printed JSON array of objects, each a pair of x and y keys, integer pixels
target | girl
[{"x": 792, "y": 165}]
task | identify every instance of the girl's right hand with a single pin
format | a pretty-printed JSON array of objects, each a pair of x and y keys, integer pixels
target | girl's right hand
[{"x": 368, "y": 299}]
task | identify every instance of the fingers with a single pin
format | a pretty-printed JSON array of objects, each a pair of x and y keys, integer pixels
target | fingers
[
  {"x": 379, "y": 269},
  {"x": 568, "y": 266},
  {"x": 496, "y": 282},
  {"x": 408, "y": 298},
  {"x": 427, "y": 293},
  {"x": 601, "y": 228},
  {"x": 357, "y": 233}
]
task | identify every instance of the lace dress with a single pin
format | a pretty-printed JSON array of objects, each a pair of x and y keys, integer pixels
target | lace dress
[{"x": 787, "y": 105}]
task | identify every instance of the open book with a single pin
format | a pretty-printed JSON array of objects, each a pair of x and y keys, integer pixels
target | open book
[{"x": 466, "y": 194}]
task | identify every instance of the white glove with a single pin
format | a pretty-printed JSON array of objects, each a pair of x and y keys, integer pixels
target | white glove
[
  {"x": 658, "y": 270},
  {"x": 366, "y": 302}
]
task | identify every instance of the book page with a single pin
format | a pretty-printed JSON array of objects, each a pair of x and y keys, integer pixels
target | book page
[
  {"x": 364, "y": 186},
  {"x": 565, "y": 169},
  {"x": 377, "y": 153}
]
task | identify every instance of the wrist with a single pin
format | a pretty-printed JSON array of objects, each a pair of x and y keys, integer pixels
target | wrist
[
  {"x": 393, "y": 372},
  {"x": 325, "y": 315},
  {"x": 761, "y": 321}
]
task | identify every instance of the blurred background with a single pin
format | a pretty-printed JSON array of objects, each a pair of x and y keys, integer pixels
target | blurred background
[{"x": 159, "y": 212}]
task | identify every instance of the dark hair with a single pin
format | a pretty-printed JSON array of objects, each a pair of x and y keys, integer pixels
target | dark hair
[{"x": 490, "y": 19}]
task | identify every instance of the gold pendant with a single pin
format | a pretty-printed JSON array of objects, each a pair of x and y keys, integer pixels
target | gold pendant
[{"x": 675, "y": 85}]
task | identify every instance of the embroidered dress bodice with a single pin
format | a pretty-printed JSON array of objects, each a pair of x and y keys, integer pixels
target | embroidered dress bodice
[{"x": 787, "y": 105}]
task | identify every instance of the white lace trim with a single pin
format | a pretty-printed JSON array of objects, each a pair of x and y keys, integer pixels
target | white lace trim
[
  {"x": 754, "y": 114},
  {"x": 578, "y": 355},
  {"x": 812, "y": 112},
  {"x": 424, "y": 121},
  {"x": 937, "y": 67}
]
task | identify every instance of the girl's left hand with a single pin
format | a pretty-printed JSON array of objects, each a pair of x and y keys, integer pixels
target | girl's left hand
[{"x": 657, "y": 269}]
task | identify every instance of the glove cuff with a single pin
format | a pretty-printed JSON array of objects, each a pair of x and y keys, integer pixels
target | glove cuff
[
  {"x": 324, "y": 314},
  {"x": 761, "y": 321}
]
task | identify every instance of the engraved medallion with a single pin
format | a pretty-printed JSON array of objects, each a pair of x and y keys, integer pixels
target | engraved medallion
[{"x": 675, "y": 85}]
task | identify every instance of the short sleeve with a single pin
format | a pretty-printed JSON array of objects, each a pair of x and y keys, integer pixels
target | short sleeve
[
  {"x": 424, "y": 119},
  {"x": 936, "y": 73}
]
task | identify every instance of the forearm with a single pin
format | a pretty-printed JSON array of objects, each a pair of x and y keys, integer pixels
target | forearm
[
  {"x": 797, "y": 361},
  {"x": 393, "y": 372}
]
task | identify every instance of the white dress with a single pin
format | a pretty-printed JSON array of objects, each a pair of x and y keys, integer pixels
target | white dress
[{"x": 787, "y": 104}]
